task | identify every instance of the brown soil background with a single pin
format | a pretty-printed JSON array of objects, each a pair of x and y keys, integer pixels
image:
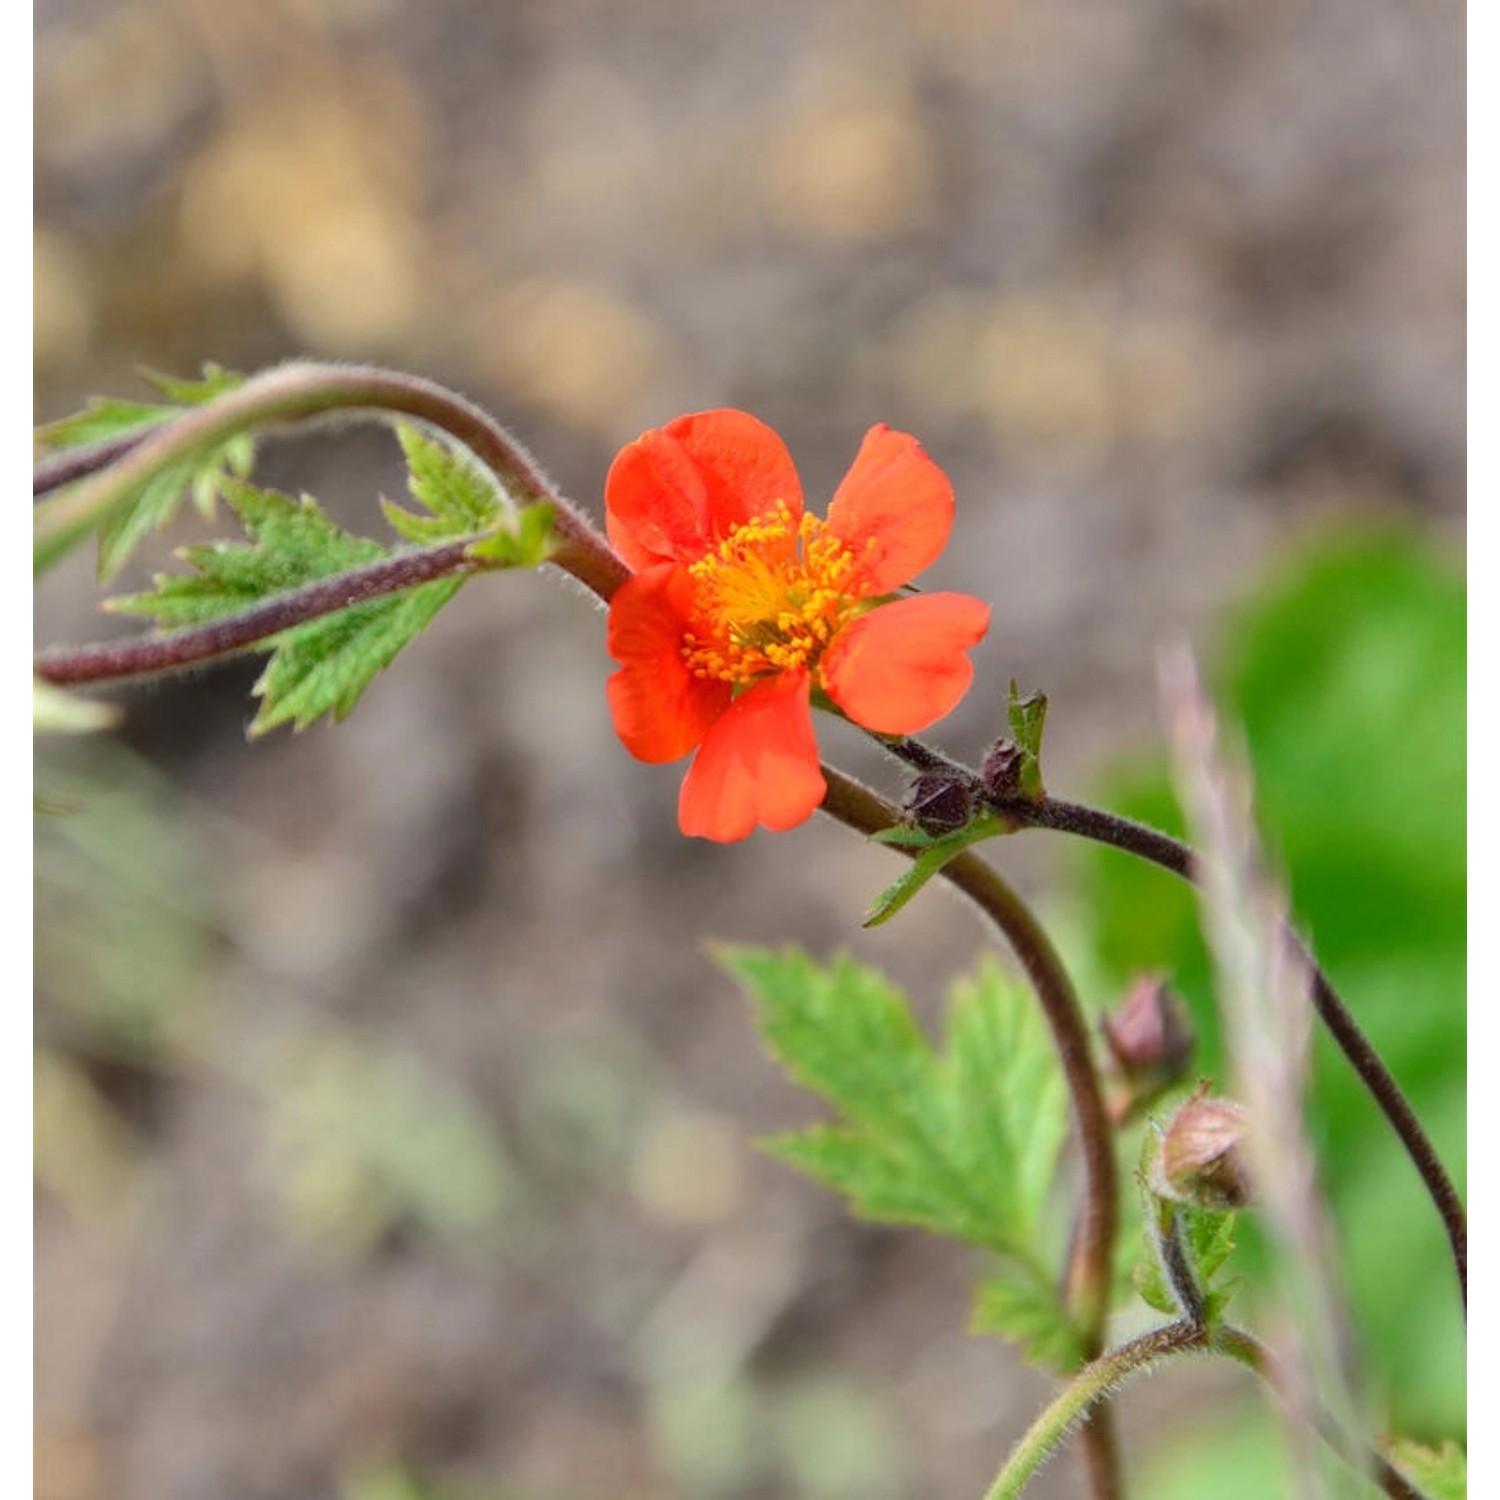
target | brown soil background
[{"x": 1162, "y": 286}]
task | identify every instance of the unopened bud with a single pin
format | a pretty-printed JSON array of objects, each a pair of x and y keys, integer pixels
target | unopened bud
[
  {"x": 1150, "y": 1038},
  {"x": 1001, "y": 769},
  {"x": 938, "y": 803},
  {"x": 1201, "y": 1160}
]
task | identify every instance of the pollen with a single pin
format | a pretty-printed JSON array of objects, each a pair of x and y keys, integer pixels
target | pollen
[{"x": 770, "y": 598}]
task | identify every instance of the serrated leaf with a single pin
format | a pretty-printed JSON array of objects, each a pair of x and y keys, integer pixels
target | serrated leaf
[
  {"x": 457, "y": 495},
  {"x": 964, "y": 1144},
  {"x": 935, "y": 854},
  {"x": 1027, "y": 1311},
  {"x": 1028, "y": 718},
  {"x": 1441, "y": 1473},
  {"x": 324, "y": 665},
  {"x": 156, "y": 502}
]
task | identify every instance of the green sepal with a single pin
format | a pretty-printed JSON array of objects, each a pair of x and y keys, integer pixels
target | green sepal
[
  {"x": 936, "y": 852},
  {"x": 1207, "y": 1237},
  {"x": 1028, "y": 718}
]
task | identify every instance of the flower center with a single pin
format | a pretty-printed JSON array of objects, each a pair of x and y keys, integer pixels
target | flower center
[{"x": 770, "y": 598}]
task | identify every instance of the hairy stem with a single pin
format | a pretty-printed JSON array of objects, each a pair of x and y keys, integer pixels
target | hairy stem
[
  {"x": 197, "y": 645},
  {"x": 1105, "y": 1375},
  {"x": 857, "y": 807},
  {"x": 1170, "y": 854},
  {"x": 293, "y": 393},
  {"x": 1084, "y": 1392}
]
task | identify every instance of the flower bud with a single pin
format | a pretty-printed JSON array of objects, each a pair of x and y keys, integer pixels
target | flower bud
[
  {"x": 1150, "y": 1038},
  {"x": 1201, "y": 1158},
  {"x": 1001, "y": 769},
  {"x": 939, "y": 803}
]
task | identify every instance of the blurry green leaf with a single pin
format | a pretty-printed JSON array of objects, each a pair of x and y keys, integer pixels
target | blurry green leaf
[
  {"x": 458, "y": 497},
  {"x": 319, "y": 667},
  {"x": 155, "y": 503},
  {"x": 836, "y": 1441},
  {"x": 1028, "y": 718},
  {"x": 704, "y": 1431},
  {"x": 55, "y": 712},
  {"x": 936, "y": 852},
  {"x": 362, "y": 1140},
  {"x": 1028, "y": 1312},
  {"x": 964, "y": 1144},
  {"x": 1442, "y": 1473}
]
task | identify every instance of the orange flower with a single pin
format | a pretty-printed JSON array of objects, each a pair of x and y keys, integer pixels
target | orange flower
[{"x": 741, "y": 606}]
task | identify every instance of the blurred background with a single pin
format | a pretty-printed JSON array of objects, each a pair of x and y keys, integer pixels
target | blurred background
[{"x": 395, "y": 1128}]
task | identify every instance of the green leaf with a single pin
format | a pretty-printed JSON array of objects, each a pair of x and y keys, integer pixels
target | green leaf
[
  {"x": 936, "y": 852},
  {"x": 1028, "y": 718},
  {"x": 1028, "y": 1312},
  {"x": 964, "y": 1144},
  {"x": 319, "y": 667},
  {"x": 458, "y": 497},
  {"x": 153, "y": 505},
  {"x": 1442, "y": 1473}
]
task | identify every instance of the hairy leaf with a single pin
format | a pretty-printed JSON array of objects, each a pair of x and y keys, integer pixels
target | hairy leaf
[
  {"x": 319, "y": 667},
  {"x": 1028, "y": 718}
]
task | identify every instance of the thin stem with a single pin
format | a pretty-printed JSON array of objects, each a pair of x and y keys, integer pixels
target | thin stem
[
  {"x": 1082, "y": 1394},
  {"x": 857, "y": 807},
  {"x": 295, "y": 392},
  {"x": 173, "y": 650},
  {"x": 1170, "y": 854}
]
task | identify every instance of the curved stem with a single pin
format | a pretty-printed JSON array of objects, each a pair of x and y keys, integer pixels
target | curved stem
[
  {"x": 1170, "y": 854},
  {"x": 295, "y": 392},
  {"x": 1099, "y": 1380},
  {"x": 198, "y": 644},
  {"x": 857, "y": 807},
  {"x": 1081, "y": 1394}
]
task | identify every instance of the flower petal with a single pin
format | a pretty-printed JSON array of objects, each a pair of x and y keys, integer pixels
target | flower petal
[
  {"x": 678, "y": 490},
  {"x": 661, "y": 710},
  {"x": 758, "y": 764},
  {"x": 903, "y": 666},
  {"x": 894, "y": 509}
]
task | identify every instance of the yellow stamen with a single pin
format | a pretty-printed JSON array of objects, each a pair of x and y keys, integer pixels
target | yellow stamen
[{"x": 770, "y": 598}]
